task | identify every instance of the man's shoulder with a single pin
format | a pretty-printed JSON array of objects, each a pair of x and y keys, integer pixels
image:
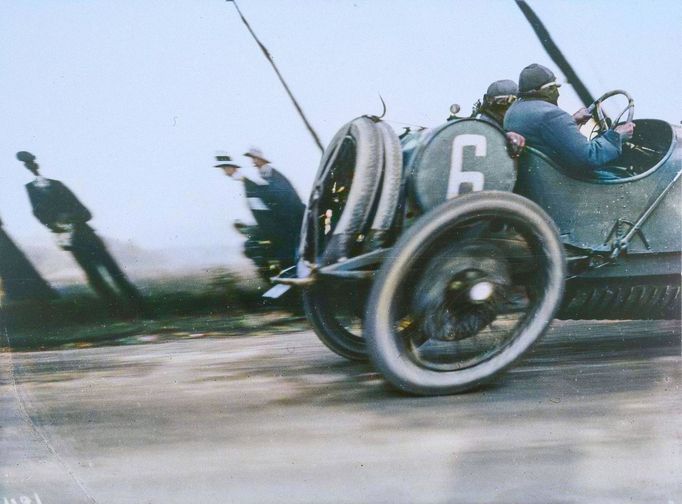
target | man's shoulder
[
  {"x": 278, "y": 177},
  {"x": 32, "y": 183},
  {"x": 536, "y": 112},
  {"x": 534, "y": 107}
]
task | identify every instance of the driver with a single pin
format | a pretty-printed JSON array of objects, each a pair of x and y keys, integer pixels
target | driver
[{"x": 536, "y": 116}]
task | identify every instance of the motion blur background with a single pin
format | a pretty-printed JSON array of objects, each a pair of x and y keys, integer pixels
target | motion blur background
[{"x": 126, "y": 102}]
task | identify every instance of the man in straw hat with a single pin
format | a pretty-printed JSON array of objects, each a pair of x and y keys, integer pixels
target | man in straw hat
[
  {"x": 271, "y": 244},
  {"x": 280, "y": 197}
]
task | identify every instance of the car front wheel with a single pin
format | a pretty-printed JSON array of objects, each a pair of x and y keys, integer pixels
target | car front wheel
[{"x": 466, "y": 291}]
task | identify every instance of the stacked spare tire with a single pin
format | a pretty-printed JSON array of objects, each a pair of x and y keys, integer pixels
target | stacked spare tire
[{"x": 352, "y": 207}]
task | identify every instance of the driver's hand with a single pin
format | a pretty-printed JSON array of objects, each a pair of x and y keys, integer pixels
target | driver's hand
[
  {"x": 625, "y": 130},
  {"x": 582, "y": 116}
]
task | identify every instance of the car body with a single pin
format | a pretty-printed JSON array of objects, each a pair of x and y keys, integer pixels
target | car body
[{"x": 477, "y": 252}]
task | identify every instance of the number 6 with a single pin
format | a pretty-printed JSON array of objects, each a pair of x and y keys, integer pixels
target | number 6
[{"x": 459, "y": 176}]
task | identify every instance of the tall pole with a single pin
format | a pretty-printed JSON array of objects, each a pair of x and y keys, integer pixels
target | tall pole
[
  {"x": 279, "y": 76},
  {"x": 555, "y": 53}
]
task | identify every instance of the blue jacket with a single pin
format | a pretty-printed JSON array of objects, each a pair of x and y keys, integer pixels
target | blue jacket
[{"x": 555, "y": 133}]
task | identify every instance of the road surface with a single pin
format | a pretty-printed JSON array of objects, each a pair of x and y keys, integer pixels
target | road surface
[{"x": 592, "y": 415}]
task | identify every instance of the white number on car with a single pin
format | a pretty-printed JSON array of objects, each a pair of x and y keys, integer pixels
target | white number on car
[{"x": 457, "y": 175}]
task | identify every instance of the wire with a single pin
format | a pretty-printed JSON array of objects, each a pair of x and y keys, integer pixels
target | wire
[
  {"x": 279, "y": 75},
  {"x": 391, "y": 121}
]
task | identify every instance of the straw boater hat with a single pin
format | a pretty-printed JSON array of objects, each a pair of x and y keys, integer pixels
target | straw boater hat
[
  {"x": 255, "y": 152},
  {"x": 224, "y": 161}
]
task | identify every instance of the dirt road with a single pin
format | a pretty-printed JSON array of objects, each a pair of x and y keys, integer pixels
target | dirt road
[{"x": 592, "y": 415}]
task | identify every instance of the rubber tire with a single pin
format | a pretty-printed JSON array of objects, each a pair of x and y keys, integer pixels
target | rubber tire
[
  {"x": 386, "y": 353},
  {"x": 357, "y": 211},
  {"x": 328, "y": 329},
  {"x": 354, "y": 218},
  {"x": 390, "y": 186},
  {"x": 372, "y": 140}
]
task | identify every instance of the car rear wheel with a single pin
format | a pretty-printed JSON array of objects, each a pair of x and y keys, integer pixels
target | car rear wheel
[
  {"x": 467, "y": 290},
  {"x": 335, "y": 313}
]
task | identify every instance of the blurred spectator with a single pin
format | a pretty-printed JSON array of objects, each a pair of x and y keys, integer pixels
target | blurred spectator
[{"x": 55, "y": 206}]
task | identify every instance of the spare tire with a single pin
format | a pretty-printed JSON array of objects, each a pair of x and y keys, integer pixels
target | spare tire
[
  {"x": 343, "y": 195},
  {"x": 390, "y": 187},
  {"x": 340, "y": 209}
]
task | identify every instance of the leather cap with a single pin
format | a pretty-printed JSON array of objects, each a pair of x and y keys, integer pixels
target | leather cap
[
  {"x": 504, "y": 87},
  {"x": 535, "y": 76}
]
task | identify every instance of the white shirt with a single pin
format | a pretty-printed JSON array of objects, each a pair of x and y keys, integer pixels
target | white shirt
[{"x": 41, "y": 182}]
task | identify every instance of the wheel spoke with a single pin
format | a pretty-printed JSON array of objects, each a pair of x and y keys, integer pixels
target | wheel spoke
[
  {"x": 459, "y": 301},
  {"x": 468, "y": 301},
  {"x": 408, "y": 329}
]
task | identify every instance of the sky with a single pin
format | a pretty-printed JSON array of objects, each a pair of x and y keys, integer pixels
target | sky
[{"x": 127, "y": 102}]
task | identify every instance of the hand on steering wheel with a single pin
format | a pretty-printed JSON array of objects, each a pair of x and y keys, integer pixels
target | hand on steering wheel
[{"x": 600, "y": 117}]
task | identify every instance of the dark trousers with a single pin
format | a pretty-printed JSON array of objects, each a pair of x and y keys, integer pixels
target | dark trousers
[{"x": 91, "y": 254}]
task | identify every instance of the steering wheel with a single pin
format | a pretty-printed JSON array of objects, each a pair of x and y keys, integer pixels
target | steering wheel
[
  {"x": 604, "y": 124},
  {"x": 600, "y": 117}
]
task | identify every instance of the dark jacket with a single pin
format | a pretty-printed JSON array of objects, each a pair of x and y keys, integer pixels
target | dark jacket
[
  {"x": 56, "y": 204},
  {"x": 554, "y": 132},
  {"x": 282, "y": 198},
  {"x": 278, "y": 211}
]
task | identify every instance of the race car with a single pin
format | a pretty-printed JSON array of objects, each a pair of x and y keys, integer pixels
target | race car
[{"x": 443, "y": 259}]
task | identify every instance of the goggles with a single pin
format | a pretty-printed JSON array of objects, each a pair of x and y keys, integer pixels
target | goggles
[
  {"x": 501, "y": 100},
  {"x": 550, "y": 84}
]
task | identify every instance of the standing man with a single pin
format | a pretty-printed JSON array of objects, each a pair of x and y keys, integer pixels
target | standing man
[
  {"x": 554, "y": 132},
  {"x": 55, "y": 206},
  {"x": 287, "y": 209}
]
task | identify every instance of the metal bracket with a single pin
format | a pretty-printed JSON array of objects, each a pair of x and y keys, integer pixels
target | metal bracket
[
  {"x": 355, "y": 267},
  {"x": 288, "y": 277},
  {"x": 622, "y": 238},
  {"x": 621, "y": 242}
]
